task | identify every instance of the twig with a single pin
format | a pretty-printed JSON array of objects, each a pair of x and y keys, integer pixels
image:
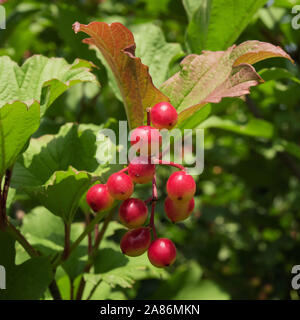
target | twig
[
  {"x": 53, "y": 288},
  {"x": 102, "y": 232},
  {"x": 12, "y": 230},
  {"x": 66, "y": 252},
  {"x": 96, "y": 231},
  {"x": 90, "y": 242},
  {"x": 93, "y": 290},
  {"x": 93, "y": 253},
  {"x": 3, "y": 198},
  {"x": 86, "y": 231}
]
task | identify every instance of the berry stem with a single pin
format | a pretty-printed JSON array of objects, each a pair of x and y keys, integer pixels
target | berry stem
[
  {"x": 148, "y": 117},
  {"x": 153, "y": 204},
  {"x": 172, "y": 164},
  {"x": 123, "y": 170}
]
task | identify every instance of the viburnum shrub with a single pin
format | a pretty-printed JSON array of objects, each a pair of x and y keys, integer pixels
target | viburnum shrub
[
  {"x": 133, "y": 212},
  {"x": 72, "y": 201}
]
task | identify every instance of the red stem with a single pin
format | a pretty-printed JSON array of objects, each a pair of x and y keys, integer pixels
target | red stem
[
  {"x": 90, "y": 242},
  {"x": 123, "y": 170},
  {"x": 148, "y": 117},
  {"x": 154, "y": 199},
  {"x": 172, "y": 164},
  {"x": 67, "y": 241}
]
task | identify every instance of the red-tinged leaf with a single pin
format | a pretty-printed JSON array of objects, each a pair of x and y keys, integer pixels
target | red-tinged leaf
[
  {"x": 209, "y": 77},
  {"x": 241, "y": 79},
  {"x": 254, "y": 51},
  {"x": 117, "y": 46}
]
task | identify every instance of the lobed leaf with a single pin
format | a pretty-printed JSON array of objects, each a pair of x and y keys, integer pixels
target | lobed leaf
[
  {"x": 214, "y": 75},
  {"x": 51, "y": 75},
  {"x": 253, "y": 51},
  {"x": 62, "y": 192},
  {"x": 74, "y": 145},
  {"x": 116, "y": 44},
  {"x": 17, "y": 123}
]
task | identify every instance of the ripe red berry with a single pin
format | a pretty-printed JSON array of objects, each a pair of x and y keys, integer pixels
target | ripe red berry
[
  {"x": 133, "y": 213},
  {"x": 164, "y": 116},
  {"x": 98, "y": 197},
  {"x": 177, "y": 210},
  {"x": 135, "y": 242},
  {"x": 150, "y": 140},
  {"x": 141, "y": 170},
  {"x": 162, "y": 252},
  {"x": 181, "y": 186},
  {"x": 120, "y": 186}
]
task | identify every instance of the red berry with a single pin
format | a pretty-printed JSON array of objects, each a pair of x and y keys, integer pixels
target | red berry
[
  {"x": 135, "y": 242},
  {"x": 164, "y": 116},
  {"x": 133, "y": 213},
  {"x": 162, "y": 252},
  {"x": 98, "y": 197},
  {"x": 150, "y": 140},
  {"x": 120, "y": 186},
  {"x": 141, "y": 170},
  {"x": 181, "y": 186},
  {"x": 177, "y": 210}
]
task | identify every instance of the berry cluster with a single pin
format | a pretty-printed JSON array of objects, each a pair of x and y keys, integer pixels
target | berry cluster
[{"x": 133, "y": 212}]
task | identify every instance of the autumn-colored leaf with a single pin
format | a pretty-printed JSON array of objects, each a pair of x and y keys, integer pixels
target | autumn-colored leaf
[
  {"x": 116, "y": 44},
  {"x": 254, "y": 51},
  {"x": 211, "y": 76}
]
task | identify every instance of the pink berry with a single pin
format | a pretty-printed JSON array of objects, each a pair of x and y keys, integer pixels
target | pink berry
[
  {"x": 135, "y": 242},
  {"x": 181, "y": 186},
  {"x": 162, "y": 252},
  {"x": 133, "y": 213},
  {"x": 150, "y": 140},
  {"x": 141, "y": 170},
  {"x": 164, "y": 116},
  {"x": 120, "y": 186},
  {"x": 177, "y": 210},
  {"x": 98, "y": 198}
]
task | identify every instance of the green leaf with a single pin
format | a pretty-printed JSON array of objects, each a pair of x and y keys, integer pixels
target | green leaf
[
  {"x": 154, "y": 51},
  {"x": 186, "y": 283},
  {"x": 62, "y": 192},
  {"x": 278, "y": 74},
  {"x": 217, "y": 24},
  {"x": 254, "y": 127},
  {"x": 45, "y": 232},
  {"x": 74, "y": 145},
  {"x": 17, "y": 123},
  {"x": 51, "y": 75},
  {"x": 116, "y": 44},
  {"x": 214, "y": 75},
  {"x": 288, "y": 146},
  {"x": 27, "y": 281}
]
